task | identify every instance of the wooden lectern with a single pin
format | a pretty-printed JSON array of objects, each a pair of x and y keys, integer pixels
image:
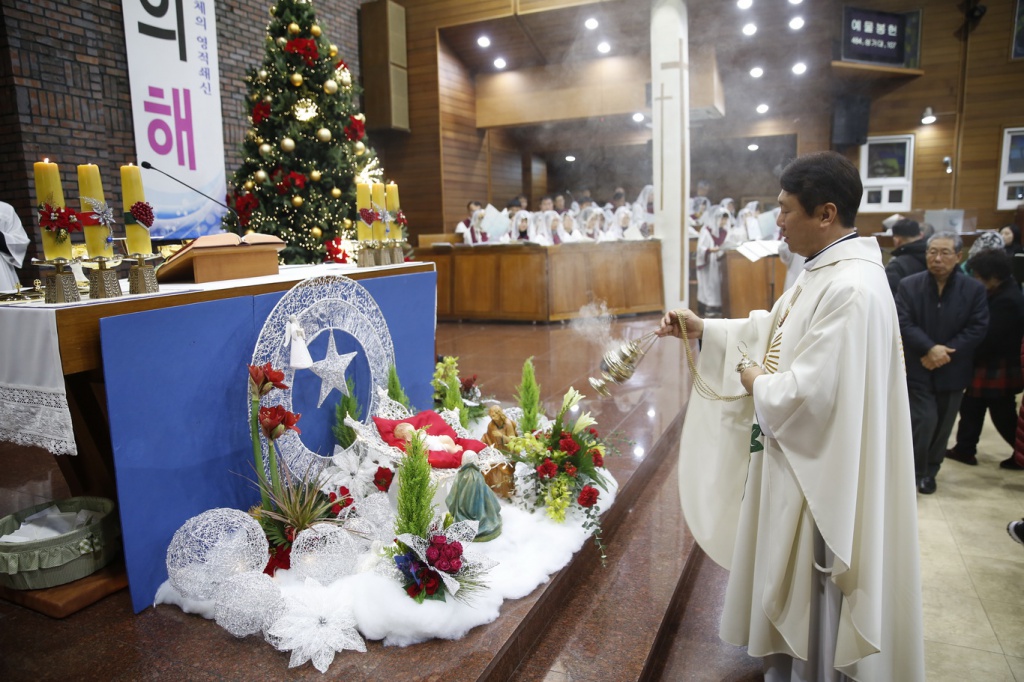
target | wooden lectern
[{"x": 217, "y": 257}]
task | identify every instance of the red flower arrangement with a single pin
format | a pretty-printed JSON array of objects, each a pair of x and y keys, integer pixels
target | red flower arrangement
[
  {"x": 335, "y": 253},
  {"x": 305, "y": 48},
  {"x": 355, "y": 130},
  {"x": 260, "y": 112},
  {"x": 444, "y": 555},
  {"x": 142, "y": 212},
  {"x": 62, "y": 221}
]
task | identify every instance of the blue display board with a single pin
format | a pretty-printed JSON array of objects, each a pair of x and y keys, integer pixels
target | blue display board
[{"x": 176, "y": 383}]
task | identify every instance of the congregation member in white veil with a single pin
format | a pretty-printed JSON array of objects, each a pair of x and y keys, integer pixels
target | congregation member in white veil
[
  {"x": 616, "y": 229},
  {"x": 568, "y": 231},
  {"x": 747, "y": 219},
  {"x": 643, "y": 207},
  {"x": 592, "y": 222},
  {"x": 540, "y": 234},
  {"x": 522, "y": 223},
  {"x": 554, "y": 225},
  {"x": 13, "y": 245},
  {"x": 710, "y": 251},
  {"x": 737, "y": 232}
]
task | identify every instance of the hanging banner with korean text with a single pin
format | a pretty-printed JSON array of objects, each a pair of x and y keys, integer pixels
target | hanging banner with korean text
[
  {"x": 873, "y": 37},
  {"x": 175, "y": 85}
]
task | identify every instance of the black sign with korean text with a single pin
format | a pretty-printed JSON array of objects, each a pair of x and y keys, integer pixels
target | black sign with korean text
[{"x": 873, "y": 36}]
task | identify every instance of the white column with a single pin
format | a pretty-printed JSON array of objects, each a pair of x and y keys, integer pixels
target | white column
[{"x": 670, "y": 92}]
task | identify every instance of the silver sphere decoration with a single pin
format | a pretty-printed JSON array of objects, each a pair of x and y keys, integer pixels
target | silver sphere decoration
[
  {"x": 247, "y": 603},
  {"x": 212, "y": 547},
  {"x": 324, "y": 552}
]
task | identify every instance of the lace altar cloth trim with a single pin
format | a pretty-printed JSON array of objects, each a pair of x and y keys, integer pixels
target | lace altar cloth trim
[{"x": 31, "y": 416}]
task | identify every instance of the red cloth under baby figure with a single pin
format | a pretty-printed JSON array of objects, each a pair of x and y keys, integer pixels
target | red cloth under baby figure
[{"x": 442, "y": 453}]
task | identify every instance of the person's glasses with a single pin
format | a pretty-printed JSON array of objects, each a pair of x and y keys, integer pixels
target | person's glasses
[{"x": 944, "y": 253}]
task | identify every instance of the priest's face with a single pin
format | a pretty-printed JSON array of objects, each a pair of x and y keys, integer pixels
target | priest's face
[{"x": 801, "y": 231}]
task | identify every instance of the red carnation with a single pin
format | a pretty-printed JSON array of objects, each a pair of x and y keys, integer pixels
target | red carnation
[
  {"x": 355, "y": 130},
  {"x": 382, "y": 479},
  {"x": 142, "y": 212},
  {"x": 548, "y": 469},
  {"x": 263, "y": 379},
  {"x": 570, "y": 470},
  {"x": 588, "y": 496},
  {"x": 597, "y": 457},
  {"x": 260, "y": 112},
  {"x": 568, "y": 445},
  {"x": 276, "y": 420},
  {"x": 438, "y": 540},
  {"x": 443, "y": 565}
]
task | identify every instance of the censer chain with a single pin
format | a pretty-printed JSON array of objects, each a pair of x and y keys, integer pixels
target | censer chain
[{"x": 703, "y": 389}]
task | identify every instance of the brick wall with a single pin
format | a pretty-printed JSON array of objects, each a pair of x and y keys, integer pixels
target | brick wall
[{"x": 64, "y": 88}]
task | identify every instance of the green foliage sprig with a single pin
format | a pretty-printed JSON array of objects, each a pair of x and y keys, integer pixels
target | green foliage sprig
[
  {"x": 349, "y": 406},
  {"x": 395, "y": 390},
  {"x": 528, "y": 397},
  {"x": 415, "y": 491},
  {"x": 453, "y": 400}
]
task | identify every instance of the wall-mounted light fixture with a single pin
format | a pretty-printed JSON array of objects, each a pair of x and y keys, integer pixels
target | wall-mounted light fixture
[
  {"x": 948, "y": 162},
  {"x": 928, "y": 116}
]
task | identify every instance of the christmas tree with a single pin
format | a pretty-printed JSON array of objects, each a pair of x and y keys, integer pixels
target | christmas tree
[{"x": 307, "y": 143}]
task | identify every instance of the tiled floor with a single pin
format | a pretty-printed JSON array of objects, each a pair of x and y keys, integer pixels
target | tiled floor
[{"x": 972, "y": 573}]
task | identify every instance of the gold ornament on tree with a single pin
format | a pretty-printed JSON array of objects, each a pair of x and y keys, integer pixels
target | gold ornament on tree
[
  {"x": 296, "y": 201},
  {"x": 268, "y": 99},
  {"x": 265, "y": 149},
  {"x": 347, "y": 223},
  {"x": 250, "y": 134},
  {"x": 336, "y": 193},
  {"x": 360, "y": 148},
  {"x": 273, "y": 10},
  {"x": 316, "y": 232},
  {"x": 294, "y": 28},
  {"x": 314, "y": 175},
  {"x": 324, "y": 135},
  {"x": 248, "y": 185},
  {"x": 287, "y": 145},
  {"x": 282, "y": 41},
  {"x": 261, "y": 176},
  {"x": 250, "y": 231},
  {"x": 334, "y": 50},
  {"x": 330, "y": 87},
  {"x": 262, "y": 74},
  {"x": 315, "y": 30},
  {"x": 253, "y": 97},
  {"x": 295, "y": 79}
]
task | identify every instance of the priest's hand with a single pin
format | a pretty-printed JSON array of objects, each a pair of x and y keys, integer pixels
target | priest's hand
[
  {"x": 937, "y": 356},
  {"x": 747, "y": 377},
  {"x": 672, "y": 321}
]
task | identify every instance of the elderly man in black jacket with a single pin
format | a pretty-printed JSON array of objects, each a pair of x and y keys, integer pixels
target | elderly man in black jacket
[
  {"x": 943, "y": 317},
  {"x": 908, "y": 257}
]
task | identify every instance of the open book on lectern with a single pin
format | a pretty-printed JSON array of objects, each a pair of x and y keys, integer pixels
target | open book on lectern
[{"x": 215, "y": 257}]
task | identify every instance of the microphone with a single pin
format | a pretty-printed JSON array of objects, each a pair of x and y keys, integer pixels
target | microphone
[{"x": 148, "y": 166}]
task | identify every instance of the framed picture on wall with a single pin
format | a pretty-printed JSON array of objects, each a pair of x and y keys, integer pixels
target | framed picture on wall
[
  {"x": 1017, "y": 46},
  {"x": 887, "y": 172}
]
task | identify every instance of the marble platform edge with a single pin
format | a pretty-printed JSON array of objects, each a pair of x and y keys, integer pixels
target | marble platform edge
[
  {"x": 556, "y": 592},
  {"x": 674, "y": 615}
]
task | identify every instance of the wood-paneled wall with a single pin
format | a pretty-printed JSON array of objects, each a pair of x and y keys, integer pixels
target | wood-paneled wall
[{"x": 504, "y": 168}]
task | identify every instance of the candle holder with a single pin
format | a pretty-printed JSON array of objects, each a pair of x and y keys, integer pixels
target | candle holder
[
  {"x": 366, "y": 256},
  {"x": 103, "y": 281},
  {"x": 60, "y": 285},
  {"x": 397, "y": 252},
  {"x": 141, "y": 276}
]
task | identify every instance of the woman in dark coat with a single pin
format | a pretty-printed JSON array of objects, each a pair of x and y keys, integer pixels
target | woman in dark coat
[{"x": 997, "y": 361}]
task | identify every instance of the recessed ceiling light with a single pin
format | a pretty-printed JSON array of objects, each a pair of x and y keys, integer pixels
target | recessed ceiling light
[
  {"x": 796, "y": 23},
  {"x": 752, "y": 147},
  {"x": 499, "y": 63},
  {"x": 591, "y": 23},
  {"x": 744, "y": 4},
  {"x": 762, "y": 108},
  {"x": 604, "y": 48},
  {"x": 795, "y": 2},
  {"x": 749, "y": 29},
  {"x": 483, "y": 41},
  {"x": 570, "y": 158},
  {"x": 756, "y": 72},
  {"x": 638, "y": 117},
  {"x": 799, "y": 68}
]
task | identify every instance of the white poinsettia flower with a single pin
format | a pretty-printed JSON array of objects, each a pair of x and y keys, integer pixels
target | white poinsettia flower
[
  {"x": 317, "y": 623},
  {"x": 352, "y": 471},
  {"x": 585, "y": 421},
  {"x": 572, "y": 398}
]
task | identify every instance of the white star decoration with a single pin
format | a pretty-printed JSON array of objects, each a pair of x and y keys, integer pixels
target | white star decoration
[{"x": 331, "y": 370}]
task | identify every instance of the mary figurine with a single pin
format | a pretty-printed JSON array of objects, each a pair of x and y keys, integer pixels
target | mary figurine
[{"x": 471, "y": 499}]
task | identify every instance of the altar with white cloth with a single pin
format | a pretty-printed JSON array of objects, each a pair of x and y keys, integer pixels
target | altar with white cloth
[{"x": 145, "y": 385}]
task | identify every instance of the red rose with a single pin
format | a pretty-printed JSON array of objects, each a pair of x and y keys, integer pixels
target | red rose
[
  {"x": 260, "y": 112},
  {"x": 264, "y": 379},
  {"x": 456, "y": 546},
  {"x": 548, "y": 469},
  {"x": 382, "y": 479},
  {"x": 588, "y": 496},
  {"x": 443, "y": 565},
  {"x": 597, "y": 457},
  {"x": 412, "y": 589},
  {"x": 568, "y": 445},
  {"x": 431, "y": 581},
  {"x": 142, "y": 212},
  {"x": 570, "y": 469},
  {"x": 456, "y": 564},
  {"x": 450, "y": 552},
  {"x": 438, "y": 540},
  {"x": 433, "y": 553},
  {"x": 355, "y": 130},
  {"x": 276, "y": 420}
]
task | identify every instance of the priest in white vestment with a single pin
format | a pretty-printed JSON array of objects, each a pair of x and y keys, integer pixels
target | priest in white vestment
[
  {"x": 13, "y": 245},
  {"x": 804, "y": 490}
]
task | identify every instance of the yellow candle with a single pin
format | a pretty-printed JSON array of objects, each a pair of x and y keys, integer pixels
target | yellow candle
[
  {"x": 363, "y": 231},
  {"x": 48, "y": 188},
  {"x": 137, "y": 235},
  {"x": 91, "y": 186},
  {"x": 377, "y": 192},
  {"x": 392, "y": 198}
]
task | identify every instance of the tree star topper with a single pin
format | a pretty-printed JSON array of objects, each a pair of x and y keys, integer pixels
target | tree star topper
[{"x": 331, "y": 370}]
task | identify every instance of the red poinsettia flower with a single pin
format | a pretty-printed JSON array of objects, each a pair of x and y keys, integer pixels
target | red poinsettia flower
[
  {"x": 280, "y": 557},
  {"x": 382, "y": 479},
  {"x": 143, "y": 213},
  {"x": 597, "y": 457},
  {"x": 342, "y": 499},
  {"x": 334, "y": 251},
  {"x": 263, "y": 379},
  {"x": 55, "y": 219},
  {"x": 305, "y": 48},
  {"x": 260, "y": 112},
  {"x": 245, "y": 204},
  {"x": 588, "y": 496},
  {"x": 276, "y": 420},
  {"x": 548, "y": 469},
  {"x": 355, "y": 130}
]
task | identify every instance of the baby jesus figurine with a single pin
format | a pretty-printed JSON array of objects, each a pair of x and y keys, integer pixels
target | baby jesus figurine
[{"x": 444, "y": 447}]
